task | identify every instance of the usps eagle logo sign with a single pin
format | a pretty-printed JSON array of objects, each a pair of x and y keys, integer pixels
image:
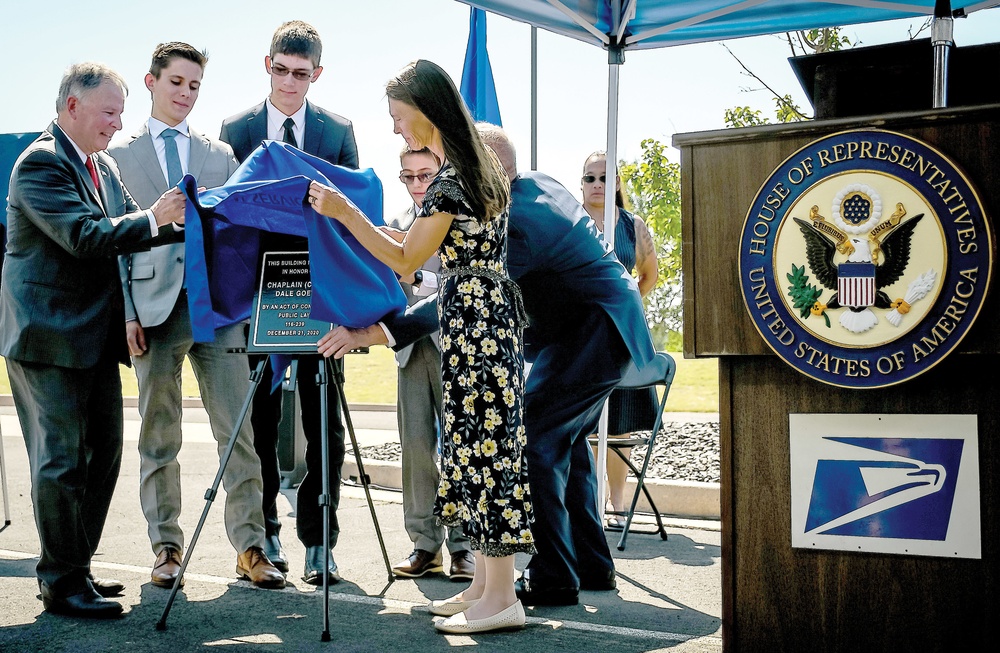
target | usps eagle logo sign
[
  {"x": 906, "y": 484},
  {"x": 865, "y": 258}
]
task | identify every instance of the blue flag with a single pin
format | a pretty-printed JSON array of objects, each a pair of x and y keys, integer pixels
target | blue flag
[
  {"x": 268, "y": 192},
  {"x": 478, "y": 90}
]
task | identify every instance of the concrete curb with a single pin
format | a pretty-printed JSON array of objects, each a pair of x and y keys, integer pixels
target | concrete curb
[
  {"x": 682, "y": 499},
  {"x": 685, "y": 499}
]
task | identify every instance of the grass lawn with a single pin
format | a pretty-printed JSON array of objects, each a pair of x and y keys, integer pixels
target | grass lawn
[{"x": 371, "y": 379}]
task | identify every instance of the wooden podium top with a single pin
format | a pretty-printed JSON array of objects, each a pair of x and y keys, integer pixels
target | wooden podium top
[{"x": 722, "y": 171}]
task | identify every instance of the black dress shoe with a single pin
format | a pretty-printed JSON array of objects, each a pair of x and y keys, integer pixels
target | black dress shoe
[
  {"x": 533, "y": 593},
  {"x": 274, "y": 552},
  {"x": 82, "y": 603},
  {"x": 417, "y": 564},
  {"x": 107, "y": 587},
  {"x": 599, "y": 582},
  {"x": 314, "y": 566}
]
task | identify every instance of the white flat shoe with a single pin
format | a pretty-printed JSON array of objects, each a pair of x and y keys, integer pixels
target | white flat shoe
[
  {"x": 508, "y": 619},
  {"x": 449, "y": 607}
]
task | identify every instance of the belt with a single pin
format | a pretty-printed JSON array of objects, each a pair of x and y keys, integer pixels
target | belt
[{"x": 502, "y": 279}]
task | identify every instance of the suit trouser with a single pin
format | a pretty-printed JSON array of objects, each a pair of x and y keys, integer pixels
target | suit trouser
[
  {"x": 224, "y": 383},
  {"x": 418, "y": 414},
  {"x": 564, "y": 394},
  {"x": 71, "y": 420},
  {"x": 267, "y": 415}
]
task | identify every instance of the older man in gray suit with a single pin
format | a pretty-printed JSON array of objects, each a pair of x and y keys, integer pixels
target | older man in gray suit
[
  {"x": 418, "y": 407},
  {"x": 159, "y": 332},
  {"x": 61, "y": 326}
]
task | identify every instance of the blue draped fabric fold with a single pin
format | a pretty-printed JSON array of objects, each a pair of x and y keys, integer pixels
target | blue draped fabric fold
[{"x": 267, "y": 192}]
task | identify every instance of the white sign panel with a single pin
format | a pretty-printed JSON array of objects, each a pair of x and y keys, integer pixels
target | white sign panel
[{"x": 903, "y": 484}]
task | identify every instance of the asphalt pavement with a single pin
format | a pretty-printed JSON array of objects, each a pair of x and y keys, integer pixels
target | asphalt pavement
[{"x": 668, "y": 596}]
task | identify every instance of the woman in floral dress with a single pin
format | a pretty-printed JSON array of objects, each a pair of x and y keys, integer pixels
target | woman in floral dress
[{"x": 484, "y": 481}]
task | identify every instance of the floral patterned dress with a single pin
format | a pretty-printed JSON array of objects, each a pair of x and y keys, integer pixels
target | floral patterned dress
[{"x": 484, "y": 479}]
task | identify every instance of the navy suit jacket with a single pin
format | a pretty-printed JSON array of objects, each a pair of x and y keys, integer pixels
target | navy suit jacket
[
  {"x": 327, "y": 135},
  {"x": 556, "y": 257}
]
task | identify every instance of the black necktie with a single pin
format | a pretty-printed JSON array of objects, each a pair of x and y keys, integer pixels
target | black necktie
[{"x": 289, "y": 138}]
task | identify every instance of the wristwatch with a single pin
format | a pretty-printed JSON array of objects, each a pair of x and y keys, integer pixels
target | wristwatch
[{"x": 418, "y": 277}]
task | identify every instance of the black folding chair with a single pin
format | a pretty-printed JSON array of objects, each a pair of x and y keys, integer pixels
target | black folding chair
[{"x": 658, "y": 372}]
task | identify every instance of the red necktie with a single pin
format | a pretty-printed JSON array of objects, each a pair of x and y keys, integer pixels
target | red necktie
[{"x": 93, "y": 173}]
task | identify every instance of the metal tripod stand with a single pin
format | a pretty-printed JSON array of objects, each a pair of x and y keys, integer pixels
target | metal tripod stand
[{"x": 322, "y": 379}]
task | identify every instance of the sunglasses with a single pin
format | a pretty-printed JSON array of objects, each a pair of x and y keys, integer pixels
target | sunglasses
[
  {"x": 589, "y": 179},
  {"x": 423, "y": 178},
  {"x": 281, "y": 71}
]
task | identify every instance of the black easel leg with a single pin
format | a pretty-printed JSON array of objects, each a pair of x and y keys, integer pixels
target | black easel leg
[
  {"x": 324, "y": 497},
  {"x": 338, "y": 377},
  {"x": 211, "y": 493}
]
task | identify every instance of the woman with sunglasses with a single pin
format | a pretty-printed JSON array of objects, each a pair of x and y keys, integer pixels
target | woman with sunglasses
[
  {"x": 483, "y": 485},
  {"x": 628, "y": 410}
]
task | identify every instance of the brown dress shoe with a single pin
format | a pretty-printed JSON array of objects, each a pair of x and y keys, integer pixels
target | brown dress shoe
[
  {"x": 419, "y": 562},
  {"x": 463, "y": 565},
  {"x": 254, "y": 566},
  {"x": 167, "y": 567}
]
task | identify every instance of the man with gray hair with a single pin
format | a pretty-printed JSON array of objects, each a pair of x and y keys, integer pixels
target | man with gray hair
[{"x": 62, "y": 327}]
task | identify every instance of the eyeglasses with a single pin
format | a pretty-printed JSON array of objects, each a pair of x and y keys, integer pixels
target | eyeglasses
[
  {"x": 589, "y": 179},
  {"x": 423, "y": 178},
  {"x": 281, "y": 71}
]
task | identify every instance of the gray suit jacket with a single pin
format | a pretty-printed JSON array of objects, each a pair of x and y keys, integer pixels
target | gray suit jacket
[
  {"x": 60, "y": 296},
  {"x": 433, "y": 264},
  {"x": 153, "y": 280}
]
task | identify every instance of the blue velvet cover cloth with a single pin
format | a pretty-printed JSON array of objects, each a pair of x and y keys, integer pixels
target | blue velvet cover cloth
[{"x": 268, "y": 193}]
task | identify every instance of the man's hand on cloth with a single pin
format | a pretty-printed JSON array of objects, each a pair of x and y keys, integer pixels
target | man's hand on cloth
[
  {"x": 341, "y": 340},
  {"x": 169, "y": 208}
]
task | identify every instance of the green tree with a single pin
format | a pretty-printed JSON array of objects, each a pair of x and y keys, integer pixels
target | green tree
[
  {"x": 653, "y": 184},
  {"x": 803, "y": 42}
]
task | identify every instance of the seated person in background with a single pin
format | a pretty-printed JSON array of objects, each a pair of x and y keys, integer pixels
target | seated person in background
[
  {"x": 629, "y": 410},
  {"x": 418, "y": 406}
]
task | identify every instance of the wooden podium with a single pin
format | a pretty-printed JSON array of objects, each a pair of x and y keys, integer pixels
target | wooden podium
[{"x": 779, "y": 598}]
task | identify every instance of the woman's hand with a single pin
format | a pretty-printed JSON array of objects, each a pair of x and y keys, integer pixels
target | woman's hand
[{"x": 328, "y": 201}]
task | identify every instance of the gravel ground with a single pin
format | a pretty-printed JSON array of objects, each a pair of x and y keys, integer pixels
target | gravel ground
[{"x": 685, "y": 451}]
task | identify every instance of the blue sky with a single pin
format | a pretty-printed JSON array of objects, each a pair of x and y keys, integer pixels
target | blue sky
[{"x": 663, "y": 92}]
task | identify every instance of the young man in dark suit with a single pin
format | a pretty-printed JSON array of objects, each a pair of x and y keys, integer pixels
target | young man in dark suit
[
  {"x": 293, "y": 66},
  {"x": 158, "y": 328},
  {"x": 586, "y": 325},
  {"x": 62, "y": 328}
]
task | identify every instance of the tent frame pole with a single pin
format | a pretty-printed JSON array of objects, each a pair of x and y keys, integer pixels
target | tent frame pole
[
  {"x": 616, "y": 57},
  {"x": 942, "y": 41}
]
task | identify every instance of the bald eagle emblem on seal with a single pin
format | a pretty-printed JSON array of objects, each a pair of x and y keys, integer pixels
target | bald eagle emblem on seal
[{"x": 856, "y": 255}]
